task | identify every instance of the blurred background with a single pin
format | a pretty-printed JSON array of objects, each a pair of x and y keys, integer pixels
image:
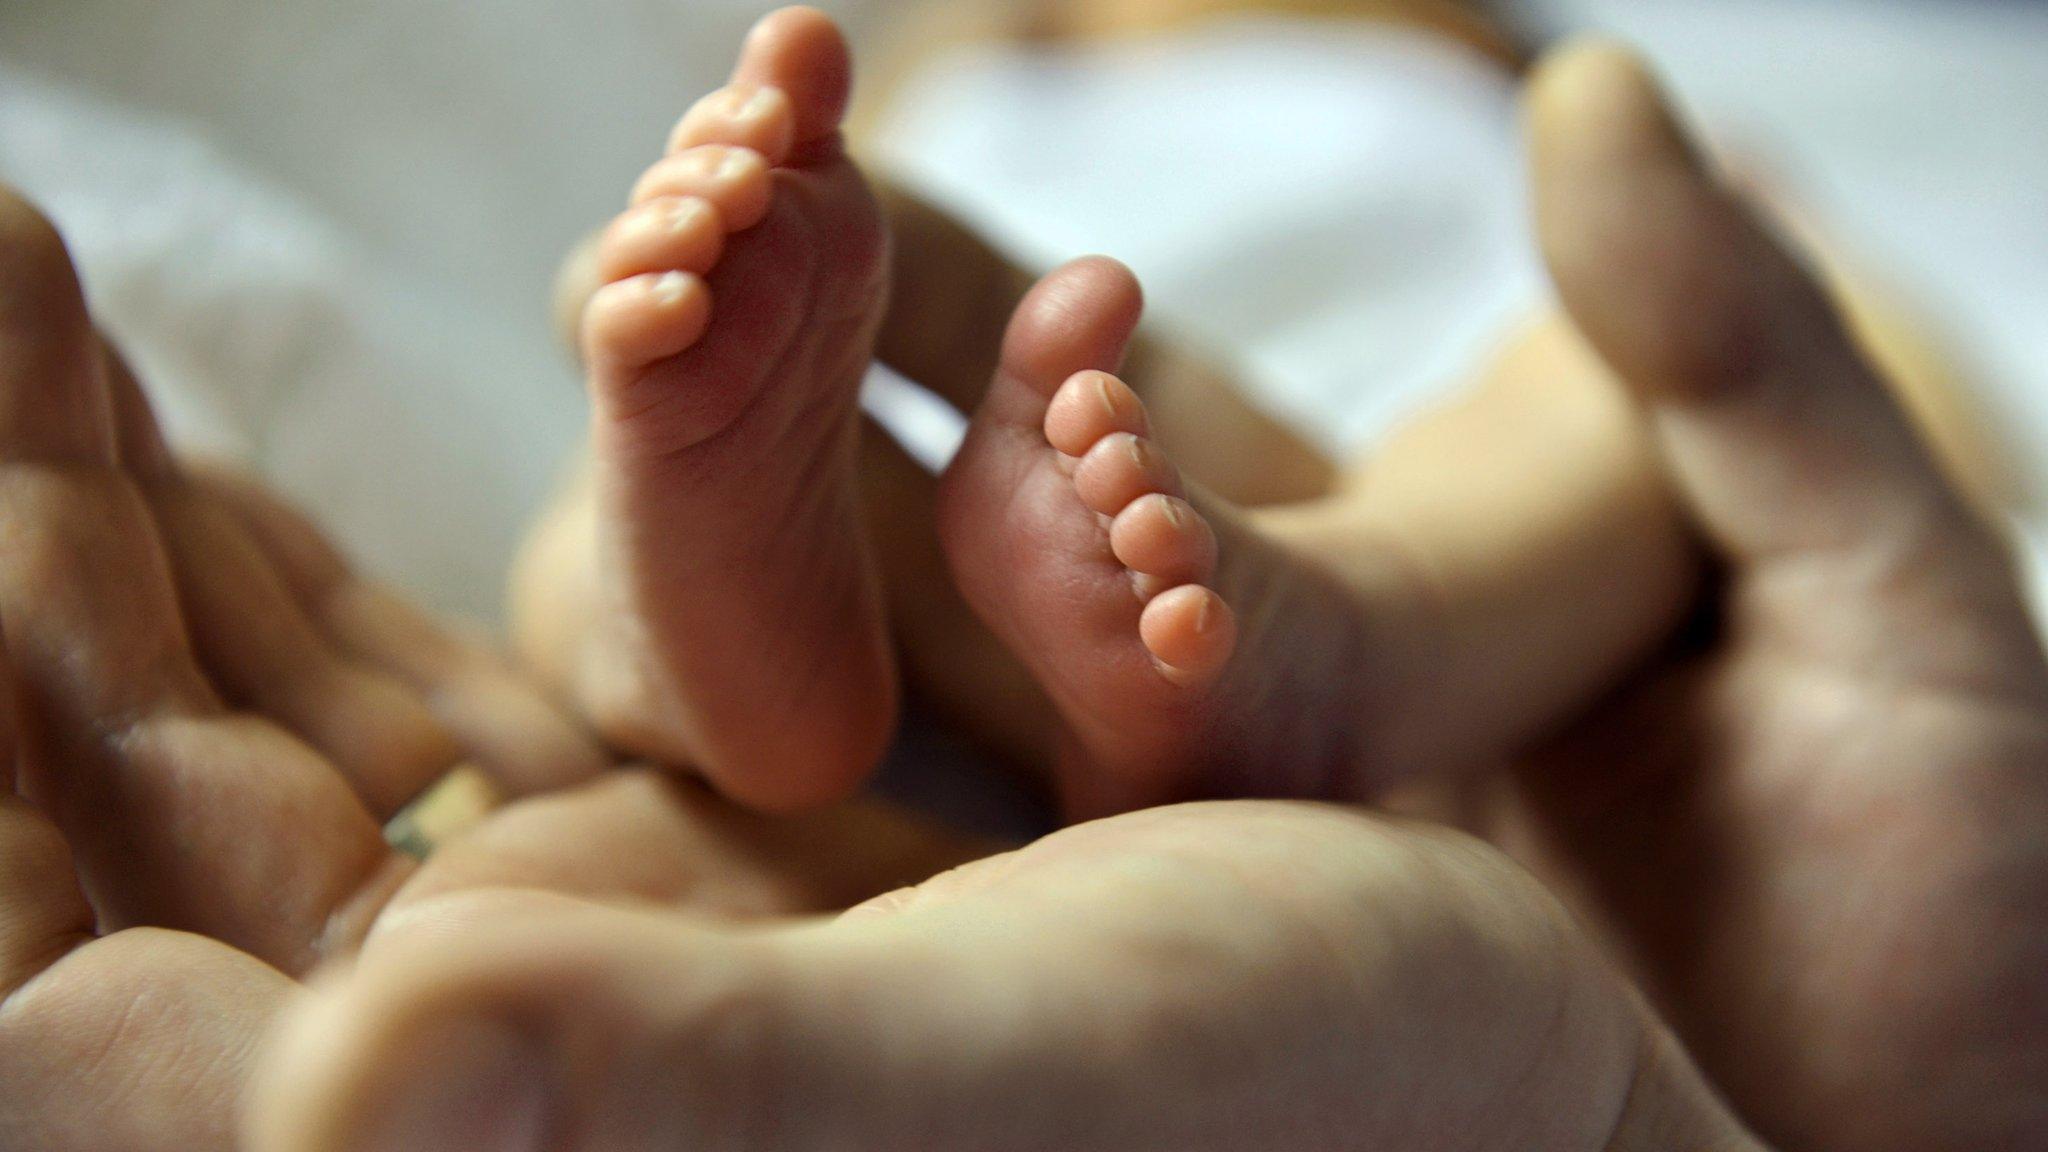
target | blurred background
[{"x": 327, "y": 231}]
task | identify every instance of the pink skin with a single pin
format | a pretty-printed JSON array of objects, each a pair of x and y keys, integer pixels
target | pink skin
[
  {"x": 1121, "y": 584},
  {"x": 1097, "y": 422},
  {"x": 743, "y": 290}
]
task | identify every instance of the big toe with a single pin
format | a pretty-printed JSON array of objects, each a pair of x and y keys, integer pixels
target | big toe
[
  {"x": 801, "y": 52},
  {"x": 1082, "y": 316},
  {"x": 1078, "y": 319}
]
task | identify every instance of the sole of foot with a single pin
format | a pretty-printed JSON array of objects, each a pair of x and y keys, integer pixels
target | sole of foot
[
  {"x": 743, "y": 631},
  {"x": 1187, "y": 654}
]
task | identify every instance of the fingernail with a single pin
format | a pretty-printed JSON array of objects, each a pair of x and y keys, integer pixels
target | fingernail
[{"x": 477, "y": 1087}]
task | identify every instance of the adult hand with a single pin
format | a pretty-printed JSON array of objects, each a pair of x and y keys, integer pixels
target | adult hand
[
  {"x": 1822, "y": 830},
  {"x": 214, "y": 716},
  {"x": 1240, "y": 976}
]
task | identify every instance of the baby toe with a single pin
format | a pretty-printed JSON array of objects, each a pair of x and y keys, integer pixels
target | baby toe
[
  {"x": 1190, "y": 631},
  {"x": 759, "y": 119},
  {"x": 634, "y": 322},
  {"x": 1162, "y": 537},
  {"x": 665, "y": 234},
  {"x": 1088, "y": 407},
  {"x": 735, "y": 181},
  {"x": 803, "y": 53},
  {"x": 1120, "y": 469}
]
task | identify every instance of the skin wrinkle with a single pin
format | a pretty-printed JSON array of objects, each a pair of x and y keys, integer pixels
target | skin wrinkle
[
  {"x": 1326, "y": 752},
  {"x": 1644, "y": 1066},
  {"x": 352, "y": 916},
  {"x": 812, "y": 679},
  {"x": 59, "y": 949},
  {"x": 779, "y": 360}
]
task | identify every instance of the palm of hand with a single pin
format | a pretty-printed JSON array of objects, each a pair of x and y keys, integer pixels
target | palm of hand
[
  {"x": 1822, "y": 834},
  {"x": 227, "y": 857},
  {"x": 1822, "y": 839},
  {"x": 214, "y": 716}
]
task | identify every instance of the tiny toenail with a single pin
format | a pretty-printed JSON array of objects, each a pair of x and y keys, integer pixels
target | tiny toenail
[
  {"x": 758, "y": 103},
  {"x": 681, "y": 216},
  {"x": 1139, "y": 455},
  {"x": 670, "y": 287},
  {"x": 1108, "y": 398},
  {"x": 1203, "y": 616},
  {"x": 1173, "y": 515}
]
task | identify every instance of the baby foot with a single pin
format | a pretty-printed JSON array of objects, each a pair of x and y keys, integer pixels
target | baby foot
[
  {"x": 1188, "y": 654},
  {"x": 743, "y": 632}
]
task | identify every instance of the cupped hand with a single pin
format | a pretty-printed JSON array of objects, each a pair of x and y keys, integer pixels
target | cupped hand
[
  {"x": 208, "y": 715},
  {"x": 1821, "y": 828},
  {"x": 1234, "y": 976}
]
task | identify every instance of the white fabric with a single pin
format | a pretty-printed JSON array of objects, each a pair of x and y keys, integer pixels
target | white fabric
[
  {"x": 1345, "y": 209},
  {"x": 417, "y": 425},
  {"x": 1341, "y": 207}
]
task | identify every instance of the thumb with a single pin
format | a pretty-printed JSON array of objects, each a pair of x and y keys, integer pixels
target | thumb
[
  {"x": 1240, "y": 977},
  {"x": 1778, "y": 433}
]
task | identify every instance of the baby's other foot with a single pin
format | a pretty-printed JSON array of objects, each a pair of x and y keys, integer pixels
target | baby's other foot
[
  {"x": 1188, "y": 654},
  {"x": 741, "y": 631}
]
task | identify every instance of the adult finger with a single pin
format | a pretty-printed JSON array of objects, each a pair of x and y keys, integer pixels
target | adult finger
[
  {"x": 1238, "y": 977},
  {"x": 1779, "y": 434},
  {"x": 499, "y": 716},
  {"x": 180, "y": 813},
  {"x": 256, "y": 642},
  {"x": 646, "y": 835}
]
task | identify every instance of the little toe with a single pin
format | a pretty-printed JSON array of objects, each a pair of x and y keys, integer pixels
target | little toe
[
  {"x": 667, "y": 233},
  {"x": 1120, "y": 469},
  {"x": 1090, "y": 406},
  {"x": 1164, "y": 538},
  {"x": 735, "y": 181},
  {"x": 759, "y": 119},
  {"x": 635, "y": 322},
  {"x": 1190, "y": 632}
]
